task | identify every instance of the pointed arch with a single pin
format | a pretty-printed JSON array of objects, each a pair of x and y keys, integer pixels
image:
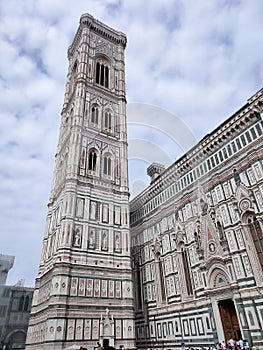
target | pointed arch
[
  {"x": 217, "y": 275},
  {"x": 94, "y": 114},
  {"x": 107, "y": 164},
  {"x": 108, "y": 121}
]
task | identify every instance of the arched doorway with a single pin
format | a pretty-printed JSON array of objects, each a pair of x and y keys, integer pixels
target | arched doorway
[
  {"x": 16, "y": 340},
  {"x": 229, "y": 319}
]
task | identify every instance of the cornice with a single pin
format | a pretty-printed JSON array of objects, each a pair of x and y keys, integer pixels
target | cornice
[{"x": 88, "y": 21}]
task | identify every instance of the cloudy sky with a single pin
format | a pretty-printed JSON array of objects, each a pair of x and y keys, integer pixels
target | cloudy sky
[{"x": 195, "y": 62}]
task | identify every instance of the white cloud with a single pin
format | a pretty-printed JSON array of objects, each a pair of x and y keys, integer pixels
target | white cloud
[{"x": 199, "y": 60}]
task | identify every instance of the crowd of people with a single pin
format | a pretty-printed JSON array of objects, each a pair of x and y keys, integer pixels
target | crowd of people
[
  {"x": 230, "y": 344},
  {"x": 106, "y": 347},
  {"x": 233, "y": 344}
]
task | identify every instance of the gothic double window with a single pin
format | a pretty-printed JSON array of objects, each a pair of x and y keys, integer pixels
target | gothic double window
[
  {"x": 102, "y": 74},
  {"x": 102, "y": 119},
  {"x": 96, "y": 164}
]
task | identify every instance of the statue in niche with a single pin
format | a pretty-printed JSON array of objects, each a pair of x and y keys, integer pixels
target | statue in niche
[
  {"x": 117, "y": 242},
  {"x": 157, "y": 246},
  {"x": 77, "y": 237},
  {"x": 197, "y": 236},
  {"x": 104, "y": 240},
  {"x": 92, "y": 239},
  {"x": 106, "y": 327}
]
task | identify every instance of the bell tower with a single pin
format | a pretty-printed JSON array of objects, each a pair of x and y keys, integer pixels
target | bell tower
[{"x": 85, "y": 269}]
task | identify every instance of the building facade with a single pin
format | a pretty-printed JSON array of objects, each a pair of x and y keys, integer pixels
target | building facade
[
  {"x": 84, "y": 291},
  {"x": 15, "y": 305},
  {"x": 197, "y": 241},
  {"x": 194, "y": 248}
]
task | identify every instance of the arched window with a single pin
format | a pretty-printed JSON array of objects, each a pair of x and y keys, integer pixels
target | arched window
[
  {"x": 102, "y": 74},
  {"x": 257, "y": 236},
  {"x": 107, "y": 165},
  {"x": 92, "y": 160},
  {"x": 251, "y": 318},
  {"x": 207, "y": 323},
  {"x": 161, "y": 275},
  {"x": 108, "y": 121},
  {"x": 188, "y": 280},
  {"x": 94, "y": 115},
  {"x": 26, "y": 305},
  {"x": 21, "y": 303}
]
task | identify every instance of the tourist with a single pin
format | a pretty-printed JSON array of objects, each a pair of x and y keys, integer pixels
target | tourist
[{"x": 99, "y": 347}]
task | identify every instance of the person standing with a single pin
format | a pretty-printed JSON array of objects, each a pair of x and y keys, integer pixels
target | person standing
[{"x": 99, "y": 347}]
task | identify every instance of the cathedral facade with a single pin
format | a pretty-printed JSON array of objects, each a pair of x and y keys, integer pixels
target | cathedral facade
[
  {"x": 181, "y": 265},
  {"x": 197, "y": 241},
  {"x": 84, "y": 290}
]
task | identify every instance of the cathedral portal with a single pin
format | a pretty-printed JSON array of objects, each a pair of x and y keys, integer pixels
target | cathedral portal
[{"x": 229, "y": 319}]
